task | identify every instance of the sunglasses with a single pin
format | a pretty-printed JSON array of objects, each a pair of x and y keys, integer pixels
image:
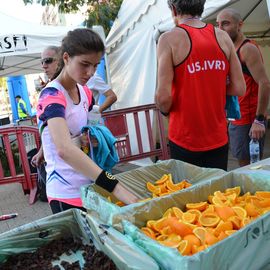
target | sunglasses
[{"x": 47, "y": 60}]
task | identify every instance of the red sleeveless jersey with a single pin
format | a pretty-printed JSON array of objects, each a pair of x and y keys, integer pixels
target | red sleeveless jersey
[
  {"x": 197, "y": 120},
  {"x": 248, "y": 103}
]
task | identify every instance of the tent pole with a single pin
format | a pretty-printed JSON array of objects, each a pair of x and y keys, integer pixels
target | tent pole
[{"x": 245, "y": 17}]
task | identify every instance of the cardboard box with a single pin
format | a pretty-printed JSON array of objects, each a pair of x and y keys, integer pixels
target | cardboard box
[
  {"x": 247, "y": 248},
  {"x": 95, "y": 198}
]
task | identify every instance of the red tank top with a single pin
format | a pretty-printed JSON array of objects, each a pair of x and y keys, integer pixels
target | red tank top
[
  {"x": 248, "y": 103},
  {"x": 197, "y": 119}
]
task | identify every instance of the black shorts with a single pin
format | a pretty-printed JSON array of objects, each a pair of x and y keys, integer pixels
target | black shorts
[
  {"x": 216, "y": 158},
  {"x": 57, "y": 206},
  {"x": 239, "y": 141}
]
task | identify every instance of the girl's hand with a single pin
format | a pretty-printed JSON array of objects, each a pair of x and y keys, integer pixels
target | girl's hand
[{"x": 124, "y": 195}]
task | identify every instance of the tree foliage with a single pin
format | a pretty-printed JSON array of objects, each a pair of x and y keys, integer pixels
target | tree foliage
[{"x": 99, "y": 12}]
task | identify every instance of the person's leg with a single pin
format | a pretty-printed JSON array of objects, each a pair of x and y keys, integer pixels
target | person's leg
[
  {"x": 239, "y": 143},
  {"x": 216, "y": 158},
  {"x": 261, "y": 142},
  {"x": 182, "y": 154},
  {"x": 57, "y": 206}
]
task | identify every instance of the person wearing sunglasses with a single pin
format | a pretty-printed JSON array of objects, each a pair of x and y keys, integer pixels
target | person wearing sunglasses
[
  {"x": 49, "y": 61},
  {"x": 194, "y": 62}
]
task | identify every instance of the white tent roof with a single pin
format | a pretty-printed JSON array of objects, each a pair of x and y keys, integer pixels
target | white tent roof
[
  {"x": 131, "y": 43},
  {"x": 21, "y": 43}
]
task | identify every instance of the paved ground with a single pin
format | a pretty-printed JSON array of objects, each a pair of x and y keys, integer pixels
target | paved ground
[{"x": 12, "y": 198}]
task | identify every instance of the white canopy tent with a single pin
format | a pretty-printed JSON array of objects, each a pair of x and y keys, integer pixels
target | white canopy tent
[
  {"x": 131, "y": 43},
  {"x": 22, "y": 42}
]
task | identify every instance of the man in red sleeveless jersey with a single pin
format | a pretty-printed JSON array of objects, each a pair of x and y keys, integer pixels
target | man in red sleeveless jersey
[
  {"x": 253, "y": 105},
  {"x": 194, "y": 62}
]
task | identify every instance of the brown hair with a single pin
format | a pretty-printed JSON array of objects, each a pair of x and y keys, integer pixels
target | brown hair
[{"x": 77, "y": 42}]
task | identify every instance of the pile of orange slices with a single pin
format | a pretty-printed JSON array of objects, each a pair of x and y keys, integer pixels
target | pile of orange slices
[
  {"x": 165, "y": 186},
  {"x": 204, "y": 223},
  {"x": 162, "y": 187}
]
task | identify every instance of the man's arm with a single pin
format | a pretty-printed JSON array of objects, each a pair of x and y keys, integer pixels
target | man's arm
[
  {"x": 237, "y": 84},
  {"x": 96, "y": 83},
  {"x": 163, "y": 96},
  {"x": 250, "y": 54},
  {"x": 110, "y": 99}
]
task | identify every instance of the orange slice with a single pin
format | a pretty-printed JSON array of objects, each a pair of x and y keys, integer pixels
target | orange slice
[
  {"x": 163, "y": 188},
  {"x": 151, "y": 187},
  {"x": 200, "y": 233},
  {"x": 224, "y": 212},
  {"x": 187, "y": 183},
  {"x": 150, "y": 233},
  {"x": 210, "y": 198},
  {"x": 199, "y": 206},
  {"x": 222, "y": 227},
  {"x": 160, "y": 224},
  {"x": 180, "y": 185},
  {"x": 209, "y": 219},
  {"x": 150, "y": 224},
  {"x": 173, "y": 240},
  {"x": 219, "y": 202},
  {"x": 236, "y": 222},
  {"x": 192, "y": 239},
  {"x": 210, "y": 239},
  {"x": 220, "y": 195},
  {"x": 265, "y": 210},
  {"x": 119, "y": 203},
  {"x": 179, "y": 227},
  {"x": 184, "y": 247},
  {"x": 240, "y": 211},
  {"x": 162, "y": 237},
  {"x": 171, "y": 186},
  {"x": 209, "y": 209},
  {"x": 162, "y": 180},
  {"x": 168, "y": 213},
  {"x": 231, "y": 198},
  {"x": 166, "y": 231},
  {"x": 189, "y": 217},
  {"x": 245, "y": 222},
  {"x": 263, "y": 203},
  {"x": 236, "y": 190},
  {"x": 201, "y": 248},
  {"x": 263, "y": 194},
  {"x": 177, "y": 212},
  {"x": 205, "y": 236},
  {"x": 195, "y": 212},
  {"x": 252, "y": 210},
  {"x": 222, "y": 236},
  {"x": 229, "y": 232}
]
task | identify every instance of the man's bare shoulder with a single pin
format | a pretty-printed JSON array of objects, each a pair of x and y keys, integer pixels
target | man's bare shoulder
[
  {"x": 175, "y": 34},
  {"x": 250, "y": 47},
  {"x": 222, "y": 35}
]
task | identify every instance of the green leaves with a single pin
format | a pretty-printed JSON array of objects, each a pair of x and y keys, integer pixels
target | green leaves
[{"x": 99, "y": 12}]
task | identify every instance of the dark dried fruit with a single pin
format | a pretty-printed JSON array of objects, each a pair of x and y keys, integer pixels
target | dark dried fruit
[{"x": 41, "y": 259}]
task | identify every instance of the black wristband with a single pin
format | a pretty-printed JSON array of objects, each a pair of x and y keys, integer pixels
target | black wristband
[{"x": 106, "y": 181}]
